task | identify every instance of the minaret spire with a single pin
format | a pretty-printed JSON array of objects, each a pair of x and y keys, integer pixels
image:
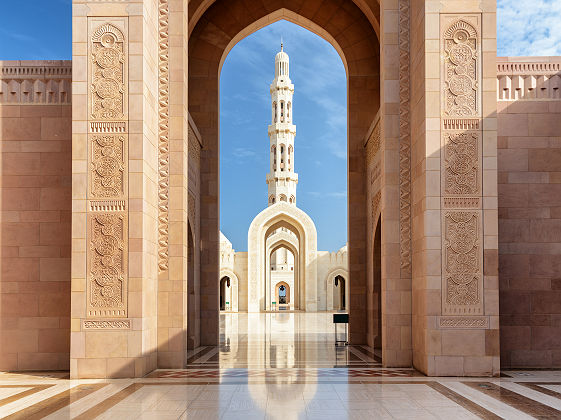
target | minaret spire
[{"x": 282, "y": 179}]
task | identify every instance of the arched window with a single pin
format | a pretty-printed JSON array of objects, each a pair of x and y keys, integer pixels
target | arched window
[
  {"x": 292, "y": 199},
  {"x": 272, "y": 199},
  {"x": 274, "y": 111},
  {"x": 290, "y": 150},
  {"x": 288, "y": 106},
  {"x": 282, "y": 197},
  {"x": 281, "y": 111}
]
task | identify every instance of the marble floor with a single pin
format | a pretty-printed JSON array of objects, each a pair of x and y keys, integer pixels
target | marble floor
[{"x": 282, "y": 366}]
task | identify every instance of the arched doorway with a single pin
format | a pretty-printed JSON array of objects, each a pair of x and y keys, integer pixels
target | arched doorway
[
  {"x": 193, "y": 320},
  {"x": 282, "y": 292},
  {"x": 337, "y": 285},
  {"x": 224, "y": 293},
  {"x": 282, "y": 225},
  {"x": 339, "y": 295},
  {"x": 377, "y": 289},
  {"x": 208, "y": 47},
  {"x": 228, "y": 289}
]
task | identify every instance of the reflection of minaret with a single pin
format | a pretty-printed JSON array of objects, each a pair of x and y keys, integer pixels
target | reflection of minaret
[{"x": 282, "y": 179}]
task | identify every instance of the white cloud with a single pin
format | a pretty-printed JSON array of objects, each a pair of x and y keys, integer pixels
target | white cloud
[
  {"x": 331, "y": 194},
  {"x": 243, "y": 152},
  {"x": 528, "y": 27}
]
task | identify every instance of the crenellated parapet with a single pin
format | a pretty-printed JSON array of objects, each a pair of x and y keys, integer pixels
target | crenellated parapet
[
  {"x": 528, "y": 78},
  {"x": 36, "y": 82}
]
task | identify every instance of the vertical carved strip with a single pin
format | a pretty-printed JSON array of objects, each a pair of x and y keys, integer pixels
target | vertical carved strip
[
  {"x": 404, "y": 142},
  {"x": 163, "y": 136},
  {"x": 461, "y": 165},
  {"x": 107, "y": 194}
]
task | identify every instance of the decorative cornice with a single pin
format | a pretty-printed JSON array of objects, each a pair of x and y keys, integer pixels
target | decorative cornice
[
  {"x": 36, "y": 82},
  {"x": 528, "y": 78}
]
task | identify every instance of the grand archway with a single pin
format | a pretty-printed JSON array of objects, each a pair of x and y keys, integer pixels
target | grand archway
[
  {"x": 353, "y": 31},
  {"x": 264, "y": 237}
]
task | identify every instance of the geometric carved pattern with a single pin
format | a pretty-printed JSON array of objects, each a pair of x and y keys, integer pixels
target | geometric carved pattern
[
  {"x": 461, "y": 158},
  {"x": 108, "y": 166},
  {"x": 106, "y": 324},
  {"x": 373, "y": 144},
  {"x": 107, "y": 60},
  {"x": 107, "y": 210},
  {"x": 163, "y": 136},
  {"x": 107, "y": 265},
  {"x": 461, "y": 70},
  {"x": 464, "y": 322},
  {"x": 462, "y": 259},
  {"x": 404, "y": 141},
  {"x": 461, "y": 154},
  {"x": 376, "y": 207}
]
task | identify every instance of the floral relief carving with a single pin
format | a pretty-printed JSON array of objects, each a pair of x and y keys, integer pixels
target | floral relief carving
[
  {"x": 462, "y": 258},
  {"x": 461, "y": 154},
  {"x": 107, "y": 265},
  {"x": 107, "y": 214},
  {"x": 461, "y": 69},
  {"x": 107, "y": 166},
  {"x": 107, "y": 61}
]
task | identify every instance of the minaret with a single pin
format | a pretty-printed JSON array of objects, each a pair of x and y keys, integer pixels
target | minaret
[{"x": 282, "y": 179}]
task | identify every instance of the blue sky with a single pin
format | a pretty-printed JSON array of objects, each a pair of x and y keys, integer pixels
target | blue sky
[{"x": 41, "y": 29}]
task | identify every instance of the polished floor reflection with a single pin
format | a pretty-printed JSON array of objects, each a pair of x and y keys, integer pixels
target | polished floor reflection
[{"x": 282, "y": 366}]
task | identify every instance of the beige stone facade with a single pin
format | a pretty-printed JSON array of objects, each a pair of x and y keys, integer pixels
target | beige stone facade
[{"x": 112, "y": 244}]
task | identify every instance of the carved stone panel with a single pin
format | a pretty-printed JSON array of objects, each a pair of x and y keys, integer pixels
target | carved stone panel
[
  {"x": 107, "y": 73},
  {"x": 462, "y": 263},
  {"x": 461, "y": 73},
  {"x": 107, "y": 264},
  {"x": 461, "y": 163},
  {"x": 107, "y": 194},
  {"x": 461, "y": 170},
  {"x": 108, "y": 166}
]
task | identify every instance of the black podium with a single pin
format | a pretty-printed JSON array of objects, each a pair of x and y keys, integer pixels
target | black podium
[{"x": 341, "y": 319}]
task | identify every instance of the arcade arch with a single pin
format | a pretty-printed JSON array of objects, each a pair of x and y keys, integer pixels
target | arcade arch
[
  {"x": 334, "y": 292},
  {"x": 268, "y": 232},
  {"x": 229, "y": 289},
  {"x": 355, "y": 37}
]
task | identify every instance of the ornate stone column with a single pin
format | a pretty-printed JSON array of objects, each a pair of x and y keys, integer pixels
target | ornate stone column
[
  {"x": 454, "y": 188},
  {"x": 114, "y": 192}
]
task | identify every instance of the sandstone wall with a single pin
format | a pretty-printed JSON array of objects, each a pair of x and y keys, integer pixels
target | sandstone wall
[
  {"x": 529, "y": 178},
  {"x": 35, "y": 210}
]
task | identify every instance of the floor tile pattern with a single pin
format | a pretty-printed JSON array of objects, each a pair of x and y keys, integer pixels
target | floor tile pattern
[{"x": 262, "y": 370}]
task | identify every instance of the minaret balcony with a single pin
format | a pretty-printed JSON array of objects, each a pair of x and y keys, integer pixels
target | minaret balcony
[
  {"x": 281, "y": 176},
  {"x": 280, "y": 127}
]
